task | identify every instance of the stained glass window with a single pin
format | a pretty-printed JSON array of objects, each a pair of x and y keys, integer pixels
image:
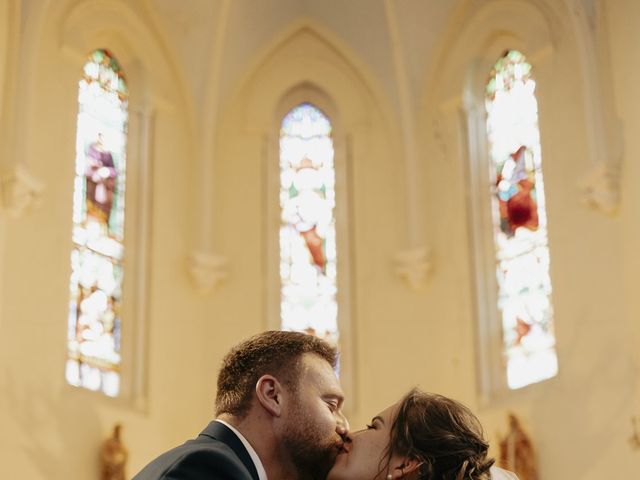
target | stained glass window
[
  {"x": 520, "y": 223},
  {"x": 95, "y": 304},
  {"x": 307, "y": 230}
]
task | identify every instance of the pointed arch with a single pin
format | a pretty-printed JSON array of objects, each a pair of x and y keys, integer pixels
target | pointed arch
[
  {"x": 302, "y": 68},
  {"x": 326, "y": 292},
  {"x": 479, "y": 36},
  {"x": 154, "y": 87}
]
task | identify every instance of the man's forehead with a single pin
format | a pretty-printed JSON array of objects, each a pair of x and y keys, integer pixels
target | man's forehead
[
  {"x": 314, "y": 362},
  {"x": 317, "y": 369}
]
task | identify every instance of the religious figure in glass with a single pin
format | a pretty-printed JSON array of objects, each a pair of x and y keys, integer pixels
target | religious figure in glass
[
  {"x": 516, "y": 192},
  {"x": 520, "y": 223},
  {"x": 95, "y": 304},
  {"x": 307, "y": 230},
  {"x": 100, "y": 174}
]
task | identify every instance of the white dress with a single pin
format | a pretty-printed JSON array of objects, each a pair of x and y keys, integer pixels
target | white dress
[{"x": 501, "y": 474}]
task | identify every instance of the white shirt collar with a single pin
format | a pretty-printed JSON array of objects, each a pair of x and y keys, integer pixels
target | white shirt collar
[{"x": 262, "y": 474}]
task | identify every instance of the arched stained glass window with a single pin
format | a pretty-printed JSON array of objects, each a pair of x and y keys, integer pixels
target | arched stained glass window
[
  {"x": 520, "y": 223},
  {"x": 94, "y": 324},
  {"x": 307, "y": 230}
]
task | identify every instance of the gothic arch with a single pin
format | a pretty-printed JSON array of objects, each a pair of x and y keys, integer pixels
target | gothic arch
[
  {"x": 454, "y": 105},
  {"x": 98, "y": 22},
  {"x": 329, "y": 65},
  {"x": 311, "y": 55},
  {"x": 478, "y": 36},
  {"x": 303, "y": 66},
  {"x": 570, "y": 34},
  {"x": 62, "y": 36}
]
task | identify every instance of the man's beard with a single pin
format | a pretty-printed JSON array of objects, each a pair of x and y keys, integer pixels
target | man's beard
[{"x": 312, "y": 453}]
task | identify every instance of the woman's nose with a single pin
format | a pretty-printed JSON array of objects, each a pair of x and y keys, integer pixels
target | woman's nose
[{"x": 348, "y": 441}]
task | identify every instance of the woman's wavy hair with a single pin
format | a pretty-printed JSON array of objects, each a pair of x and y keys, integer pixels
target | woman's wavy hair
[{"x": 443, "y": 435}]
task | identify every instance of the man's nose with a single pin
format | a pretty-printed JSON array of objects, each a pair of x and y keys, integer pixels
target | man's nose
[{"x": 342, "y": 425}]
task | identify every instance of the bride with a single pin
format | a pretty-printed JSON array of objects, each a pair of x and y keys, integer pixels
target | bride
[{"x": 423, "y": 436}]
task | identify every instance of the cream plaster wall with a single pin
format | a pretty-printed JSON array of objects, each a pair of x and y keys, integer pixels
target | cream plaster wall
[
  {"x": 212, "y": 131},
  {"x": 593, "y": 397},
  {"x": 51, "y": 430},
  {"x": 622, "y": 25}
]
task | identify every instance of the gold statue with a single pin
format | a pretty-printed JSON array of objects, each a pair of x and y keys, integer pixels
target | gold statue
[
  {"x": 113, "y": 456},
  {"x": 517, "y": 453}
]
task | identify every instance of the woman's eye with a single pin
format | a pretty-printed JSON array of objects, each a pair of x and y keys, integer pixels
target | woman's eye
[{"x": 371, "y": 426}]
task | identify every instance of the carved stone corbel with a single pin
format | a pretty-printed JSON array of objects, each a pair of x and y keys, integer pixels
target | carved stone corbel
[
  {"x": 20, "y": 190},
  {"x": 207, "y": 271},
  {"x": 413, "y": 266},
  {"x": 600, "y": 188}
]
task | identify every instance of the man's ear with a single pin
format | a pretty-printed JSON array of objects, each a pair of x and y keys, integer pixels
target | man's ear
[{"x": 269, "y": 394}]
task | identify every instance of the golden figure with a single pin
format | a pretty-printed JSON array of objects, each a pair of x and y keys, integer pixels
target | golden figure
[
  {"x": 113, "y": 457},
  {"x": 517, "y": 453}
]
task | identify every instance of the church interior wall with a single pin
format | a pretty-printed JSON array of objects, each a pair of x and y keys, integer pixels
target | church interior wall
[
  {"x": 622, "y": 31},
  {"x": 53, "y": 427},
  {"x": 574, "y": 401},
  {"x": 248, "y": 141},
  {"x": 397, "y": 337}
]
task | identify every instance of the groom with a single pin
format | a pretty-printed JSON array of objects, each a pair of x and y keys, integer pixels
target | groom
[{"x": 278, "y": 416}]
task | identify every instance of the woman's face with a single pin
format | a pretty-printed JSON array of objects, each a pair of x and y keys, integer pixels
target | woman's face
[{"x": 362, "y": 458}]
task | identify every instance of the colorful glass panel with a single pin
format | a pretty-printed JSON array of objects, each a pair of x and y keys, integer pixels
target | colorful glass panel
[
  {"x": 307, "y": 230},
  {"x": 520, "y": 223},
  {"x": 94, "y": 324}
]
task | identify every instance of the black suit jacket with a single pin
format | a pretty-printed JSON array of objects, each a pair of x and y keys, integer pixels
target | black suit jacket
[{"x": 217, "y": 454}]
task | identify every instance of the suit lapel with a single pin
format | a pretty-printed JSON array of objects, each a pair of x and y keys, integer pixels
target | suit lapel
[{"x": 221, "y": 432}]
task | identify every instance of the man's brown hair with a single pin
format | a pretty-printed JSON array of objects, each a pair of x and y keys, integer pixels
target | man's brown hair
[{"x": 275, "y": 353}]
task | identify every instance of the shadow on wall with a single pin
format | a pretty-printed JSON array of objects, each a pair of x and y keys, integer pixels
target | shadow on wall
[
  {"x": 588, "y": 405},
  {"x": 61, "y": 433}
]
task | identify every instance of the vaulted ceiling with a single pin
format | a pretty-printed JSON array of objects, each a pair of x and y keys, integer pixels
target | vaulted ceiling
[{"x": 218, "y": 41}]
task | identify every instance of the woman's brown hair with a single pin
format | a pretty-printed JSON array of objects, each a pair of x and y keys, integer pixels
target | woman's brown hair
[{"x": 443, "y": 435}]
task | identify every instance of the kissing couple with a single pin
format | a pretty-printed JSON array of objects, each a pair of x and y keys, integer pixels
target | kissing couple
[{"x": 279, "y": 417}]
